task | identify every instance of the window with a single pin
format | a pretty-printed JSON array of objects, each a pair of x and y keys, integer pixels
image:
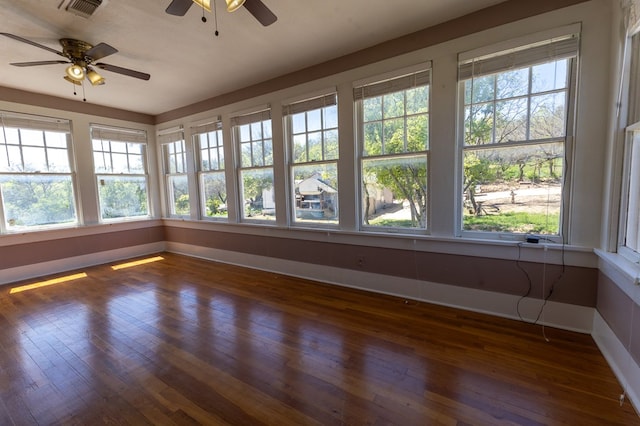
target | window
[
  {"x": 312, "y": 130},
  {"x": 252, "y": 135},
  {"x": 629, "y": 239},
  {"x": 36, "y": 173},
  {"x": 516, "y": 111},
  {"x": 211, "y": 174},
  {"x": 393, "y": 136},
  {"x": 175, "y": 171},
  {"x": 120, "y": 164}
]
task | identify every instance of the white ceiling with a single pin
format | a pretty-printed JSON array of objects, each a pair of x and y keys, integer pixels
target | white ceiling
[{"x": 186, "y": 61}]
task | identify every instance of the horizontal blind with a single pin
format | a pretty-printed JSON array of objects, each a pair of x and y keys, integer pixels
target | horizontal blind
[
  {"x": 206, "y": 128},
  {"x": 544, "y": 52},
  {"x": 176, "y": 136},
  {"x": 397, "y": 84},
  {"x": 251, "y": 118},
  {"x": 310, "y": 104},
  {"x": 116, "y": 134},
  {"x": 34, "y": 122}
]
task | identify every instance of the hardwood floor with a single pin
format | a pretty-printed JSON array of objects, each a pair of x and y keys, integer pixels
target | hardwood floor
[{"x": 187, "y": 341}]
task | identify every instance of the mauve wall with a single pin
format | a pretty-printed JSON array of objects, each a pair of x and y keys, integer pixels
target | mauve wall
[
  {"x": 621, "y": 314},
  {"x": 16, "y": 255},
  {"x": 577, "y": 285}
]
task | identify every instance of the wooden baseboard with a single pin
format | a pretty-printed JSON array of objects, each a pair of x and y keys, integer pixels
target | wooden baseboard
[{"x": 560, "y": 315}]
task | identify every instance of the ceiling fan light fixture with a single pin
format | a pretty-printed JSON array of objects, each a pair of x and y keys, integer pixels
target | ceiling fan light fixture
[
  {"x": 95, "y": 78},
  {"x": 78, "y": 83},
  {"x": 75, "y": 72},
  {"x": 204, "y": 3},
  {"x": 233, "y": 5}
]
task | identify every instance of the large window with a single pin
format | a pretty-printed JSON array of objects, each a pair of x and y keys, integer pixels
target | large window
[
  {"x": 312, "y": 132},
  {"x": 120, "y": 163},
  {"x": 393, "y": 136},
  {"x": 252, "y": 134},
  {"x": 211, "y": 174},
  {"x": 175, "y": 171},
  {"x": 629, "y": 239},
  {"x": 516, "y": 108},
  {"x": 36, "y": 173}
]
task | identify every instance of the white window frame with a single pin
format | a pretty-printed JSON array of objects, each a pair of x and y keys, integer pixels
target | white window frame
[
  {"x": 238, "y": 122},
  {"x": 315, "y": 104},
  {"x": 527, "y": 51},
  {"x": 630, "y": 191},
  {"x": 28, "y": 122},
  {"x": 174, "y": 164},
  {"x": 111, "y": 134},
  {"x": 214, "y": 128},
  {"x": 400, "y": 80}
]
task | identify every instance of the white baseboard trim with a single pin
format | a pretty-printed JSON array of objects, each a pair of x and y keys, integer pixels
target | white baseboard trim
[
  {"x": 30, "y": 271},
  {"x": 620, "y": 360},
  {"x": 559, "y": 315}
]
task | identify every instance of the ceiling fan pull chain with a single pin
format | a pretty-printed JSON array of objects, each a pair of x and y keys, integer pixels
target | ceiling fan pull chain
[
  {"x": 84, "y": 98},
  {"x": 215, "y": 17}
]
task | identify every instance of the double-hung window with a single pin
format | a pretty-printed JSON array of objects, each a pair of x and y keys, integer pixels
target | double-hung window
[
  {"x": 36, "y": 173},
  {"x": 120, "y": 164},
  {"x": 252, "y": 135},
  {"x": 629, "y": 238},
  {"x": 312, "y": 133},
  {"x": 211, "y": 175},
  {"x": 516, "y": 109},
  {"x": 174, "y": 157},
  {"x": 393, "y": 139}
]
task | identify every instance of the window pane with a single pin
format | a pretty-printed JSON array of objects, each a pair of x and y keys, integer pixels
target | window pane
[
  {"x": 418, "y": 100},
  {"x": 632, "y": 229},
  {"x": 331, "y": 117},
  {"x": 245, "y": 133},
  {"x": 300, "y": 148},
  {"x": 122, "y": 196},
  {"x": 513, "y": 83},
  {"x": 394, "y": 136},
  {"x": 58, "y": 160},
  {"x": 298, "y": 123},
  {"x": 56, "y": 139},
  {"x": 331, "y": 145},
  {"x": 548, "y": 116},
  {"x": 549, "y": 76},
  {"x": 258, "y": 154},
  {"x": 214, "y": 194},
  {"x": 511, "y": 120},
  {"x": 315, "y": 194},
  {"x": 482, "y": 88},
  {"x": 314, "y": 122},
  {"x": 372, "y": 109},
  {"x": 37, "y": 200},
  {"x": 179, "y": 195},
  {"x": 315, "y": 146},
  {"x": 246, "y": 157},
  {"x": 258, "y": 194},
  {"x": 417, "y": 133},
  {"x": 393, "y": 105},
  {"x": 268, "y": 152},
  {"x": 395, "y": 192},
  {"x": 514, "y": 189},
  {"x": 373, "y": 138},
  {"x": 479, "y": 124},
  {"x": 256, "y": 131},
  {"x": 35, "y": 159},
  {"x": 32, "y": 137}
]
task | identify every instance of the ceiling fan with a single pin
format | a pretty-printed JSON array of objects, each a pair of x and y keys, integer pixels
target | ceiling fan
[
  {"x": 255, "y": 7},
  {"x": 81, "y": 56}
]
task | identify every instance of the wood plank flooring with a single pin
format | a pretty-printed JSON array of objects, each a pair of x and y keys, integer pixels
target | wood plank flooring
[{"x": 183, "y": 341}]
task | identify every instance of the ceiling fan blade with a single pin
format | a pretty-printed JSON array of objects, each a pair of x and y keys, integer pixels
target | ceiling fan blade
[
  {"x": 179, "y": 7},
  {"x": 33, "y": 43},
  {"x": 36, "y": 63},
  {"x": 260, "y": 11},
  {"x": 123, "y": 71},
  {"x": 100, "y": 51}
]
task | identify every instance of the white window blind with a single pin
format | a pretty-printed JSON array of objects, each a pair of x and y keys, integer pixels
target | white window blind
[
  {"x": 118, "y": 134},
  {"x": 310, "y": 104},
  {"x": 34, "y": 122},
  {"x": 516, "y": 58},
  {"x": 206, "y": 128},
  {"x": 393, "y": 85},
  {"x": 251, "y": 118}
]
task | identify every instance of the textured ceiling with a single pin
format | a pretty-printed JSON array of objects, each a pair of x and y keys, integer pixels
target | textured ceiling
[{"x": 187, "y": 62}]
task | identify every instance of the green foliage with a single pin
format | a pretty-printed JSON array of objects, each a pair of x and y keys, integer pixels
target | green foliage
[
  {"x": 123, "y": 197},
  {"x": 538, "y": 223}
]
